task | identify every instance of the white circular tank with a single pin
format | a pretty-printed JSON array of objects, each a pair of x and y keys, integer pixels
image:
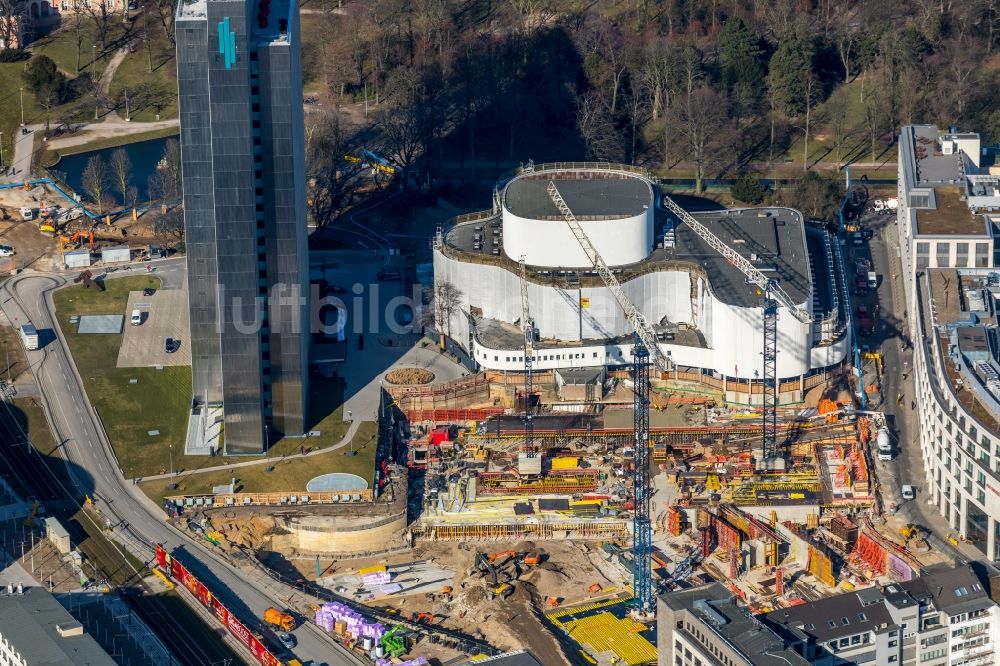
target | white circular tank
[{"x": 614, "y": 209}]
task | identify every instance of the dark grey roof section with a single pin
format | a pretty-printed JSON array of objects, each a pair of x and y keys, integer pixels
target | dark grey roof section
[
  {"x": 518, "y": 658},
  {"x": 601, "y": 195},
  {"x": 773, "y": 239},
  {"x": 834, "y": 617},
  {"x": 953, "y": 590},
  {"x": 32, "y": 621},
  {"x": 718, "y": 609},
  {"x": 775, "y": 236}
]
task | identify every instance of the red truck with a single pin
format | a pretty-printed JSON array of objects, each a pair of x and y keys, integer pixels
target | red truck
[{"x": 864, "y": 321}]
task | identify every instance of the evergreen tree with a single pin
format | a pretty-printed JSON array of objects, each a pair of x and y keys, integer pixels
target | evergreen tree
[
  {"x": 790, "y": 69},
  {"x": 740, "y": 56}
]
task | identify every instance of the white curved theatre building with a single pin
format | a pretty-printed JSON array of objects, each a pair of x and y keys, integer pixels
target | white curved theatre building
[{"x": 707, "y": 318}]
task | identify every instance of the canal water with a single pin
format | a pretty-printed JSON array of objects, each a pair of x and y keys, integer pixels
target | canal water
[{"x": 144, "y": 156}]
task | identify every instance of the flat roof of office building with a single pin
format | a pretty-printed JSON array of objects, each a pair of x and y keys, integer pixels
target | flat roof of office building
[
  {"x": 716, "y": 606},
  {"x": 44, "y": 632},
  {"x": 952, "y": 216}
]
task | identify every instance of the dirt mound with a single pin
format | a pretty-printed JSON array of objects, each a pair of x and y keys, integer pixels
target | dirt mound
[
  {"x": 246, "y": 532},
  {"x": 409, "y": 376}
]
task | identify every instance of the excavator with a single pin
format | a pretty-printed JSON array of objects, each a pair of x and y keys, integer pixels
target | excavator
[
  {"x": 914, "y": 537},
  {"x": 78, "y": 236},
  {"x": 498, "y": 589}
]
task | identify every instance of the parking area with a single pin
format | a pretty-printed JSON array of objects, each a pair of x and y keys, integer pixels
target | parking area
[{"x": 164, "y": 315}]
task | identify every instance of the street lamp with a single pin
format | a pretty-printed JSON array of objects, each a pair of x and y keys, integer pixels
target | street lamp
[
  {"x": 22, "y": 105},
  {"x": 171, "y": 447},
  {"x": 127, "y": 118}
]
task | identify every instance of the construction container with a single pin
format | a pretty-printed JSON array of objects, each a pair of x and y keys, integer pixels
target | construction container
[
  {"x": 116, "y": 255},
  {"x": 77, "y": 259},
  {"x": 565, "y": 463}
]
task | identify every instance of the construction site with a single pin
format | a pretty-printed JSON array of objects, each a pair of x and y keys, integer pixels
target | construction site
[{"x": 689, "y": 417}]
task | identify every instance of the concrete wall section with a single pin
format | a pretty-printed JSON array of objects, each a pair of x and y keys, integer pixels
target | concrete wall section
[
  {"x": 552, "y": 243},
  {"x": 733, "y": 334},
  {"x": 324, "y": 535}
]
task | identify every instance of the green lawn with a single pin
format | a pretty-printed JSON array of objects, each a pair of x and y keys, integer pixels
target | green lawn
[
  {"x": 10, "y": 105},
  {"x": 152, "y": 94},
  {"x": 159, "y": 400},
  {"x": 32, "y": 421},
  {"x": 289, "y": 474}
]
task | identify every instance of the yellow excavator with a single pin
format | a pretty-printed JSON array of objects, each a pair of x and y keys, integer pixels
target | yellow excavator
[{"x": 914, "y": 537}]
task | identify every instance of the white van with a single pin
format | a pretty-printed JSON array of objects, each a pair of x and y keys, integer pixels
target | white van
[
  {"x": 909, "y": 492},
  {"x": 136, "y": 317}
]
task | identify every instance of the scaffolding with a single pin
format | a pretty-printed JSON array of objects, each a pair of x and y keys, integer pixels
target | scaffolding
[
  {"x": 577, "y": 529},
  {"x": 561, "y": 482}
]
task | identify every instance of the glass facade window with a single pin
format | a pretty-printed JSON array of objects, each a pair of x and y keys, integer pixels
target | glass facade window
[
  {"x": 923, "y": 255},
  {"x": 961, "y": 255},
  {"x": 982, "y": 255},
  {"x": 976, "y": 526},
  {"x": 943, "y": 255}
]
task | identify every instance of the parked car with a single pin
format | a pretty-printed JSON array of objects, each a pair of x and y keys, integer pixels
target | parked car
[
  {"x": 148, "y": 291},
  {"x": 288, "y": 640},
  {"x": 171, "y": 345},
  {"x": 857, "y": 240},
  {"x": 6, "y": 251},
  {"x": 909, "y": 492}
]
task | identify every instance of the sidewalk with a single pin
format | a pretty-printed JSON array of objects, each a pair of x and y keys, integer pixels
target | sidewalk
[
  {"x": 344, "y": 441},
  {"x": 910, "y": 460}
]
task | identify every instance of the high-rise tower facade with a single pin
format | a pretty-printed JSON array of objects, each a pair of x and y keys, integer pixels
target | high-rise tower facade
[{"x": 243, "y": 161}]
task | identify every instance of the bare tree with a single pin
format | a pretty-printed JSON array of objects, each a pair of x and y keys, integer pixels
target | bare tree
[
  {"x": 447, "y": 298},
  {"x": 874, "y": 113},
  {"x": 811, "y": 89},
  {"x": 702, "y": 120},
  {"x": 333, "y": 169},
  {"x": 170, "y": 225},
  {"x": 95, "y": 181},
  {"x": 121, "y": 172},
  {"x": 165, "y": 182},
  {"x": 103, "y": 18},
  {"x": 837, "y": 109},
  {"x": 13, "y": 15},
  {"x": 401, "y": 137},
  {"x": 79, "y": 35},
  {"x": 165, "y": 11},
  {"x": 596, "y": 126}
]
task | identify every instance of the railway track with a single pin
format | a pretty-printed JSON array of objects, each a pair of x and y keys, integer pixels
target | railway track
[{"x": 31, "y": 474}]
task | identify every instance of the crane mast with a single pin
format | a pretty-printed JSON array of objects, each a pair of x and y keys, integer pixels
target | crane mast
[
  {"x": 644, "y": 348},
  {"x": 528, "y": 327}
]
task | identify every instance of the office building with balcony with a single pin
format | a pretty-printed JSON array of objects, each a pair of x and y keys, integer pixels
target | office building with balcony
[
  {"x": 242, "y": 154},
  {"x": 947, "y": 222},
  {"x": 943, "y": 618}
]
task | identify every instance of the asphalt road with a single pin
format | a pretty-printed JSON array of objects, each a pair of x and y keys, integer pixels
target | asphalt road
[
  {"x": 892, "y": 338},
  {"x": 76, "y": 427}
]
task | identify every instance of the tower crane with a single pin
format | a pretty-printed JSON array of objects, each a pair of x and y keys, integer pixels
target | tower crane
[
  {"x": 773, "y": 296},
  {"x": 644, "y": 349},
  {"x": 528, "y": 326}
]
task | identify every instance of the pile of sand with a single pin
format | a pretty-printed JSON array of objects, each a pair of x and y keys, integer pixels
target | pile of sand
[{"x": 409, "y": 376}]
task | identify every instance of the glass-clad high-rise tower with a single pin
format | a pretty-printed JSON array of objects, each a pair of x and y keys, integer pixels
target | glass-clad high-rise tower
[{"x": 243, "y": 159}]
